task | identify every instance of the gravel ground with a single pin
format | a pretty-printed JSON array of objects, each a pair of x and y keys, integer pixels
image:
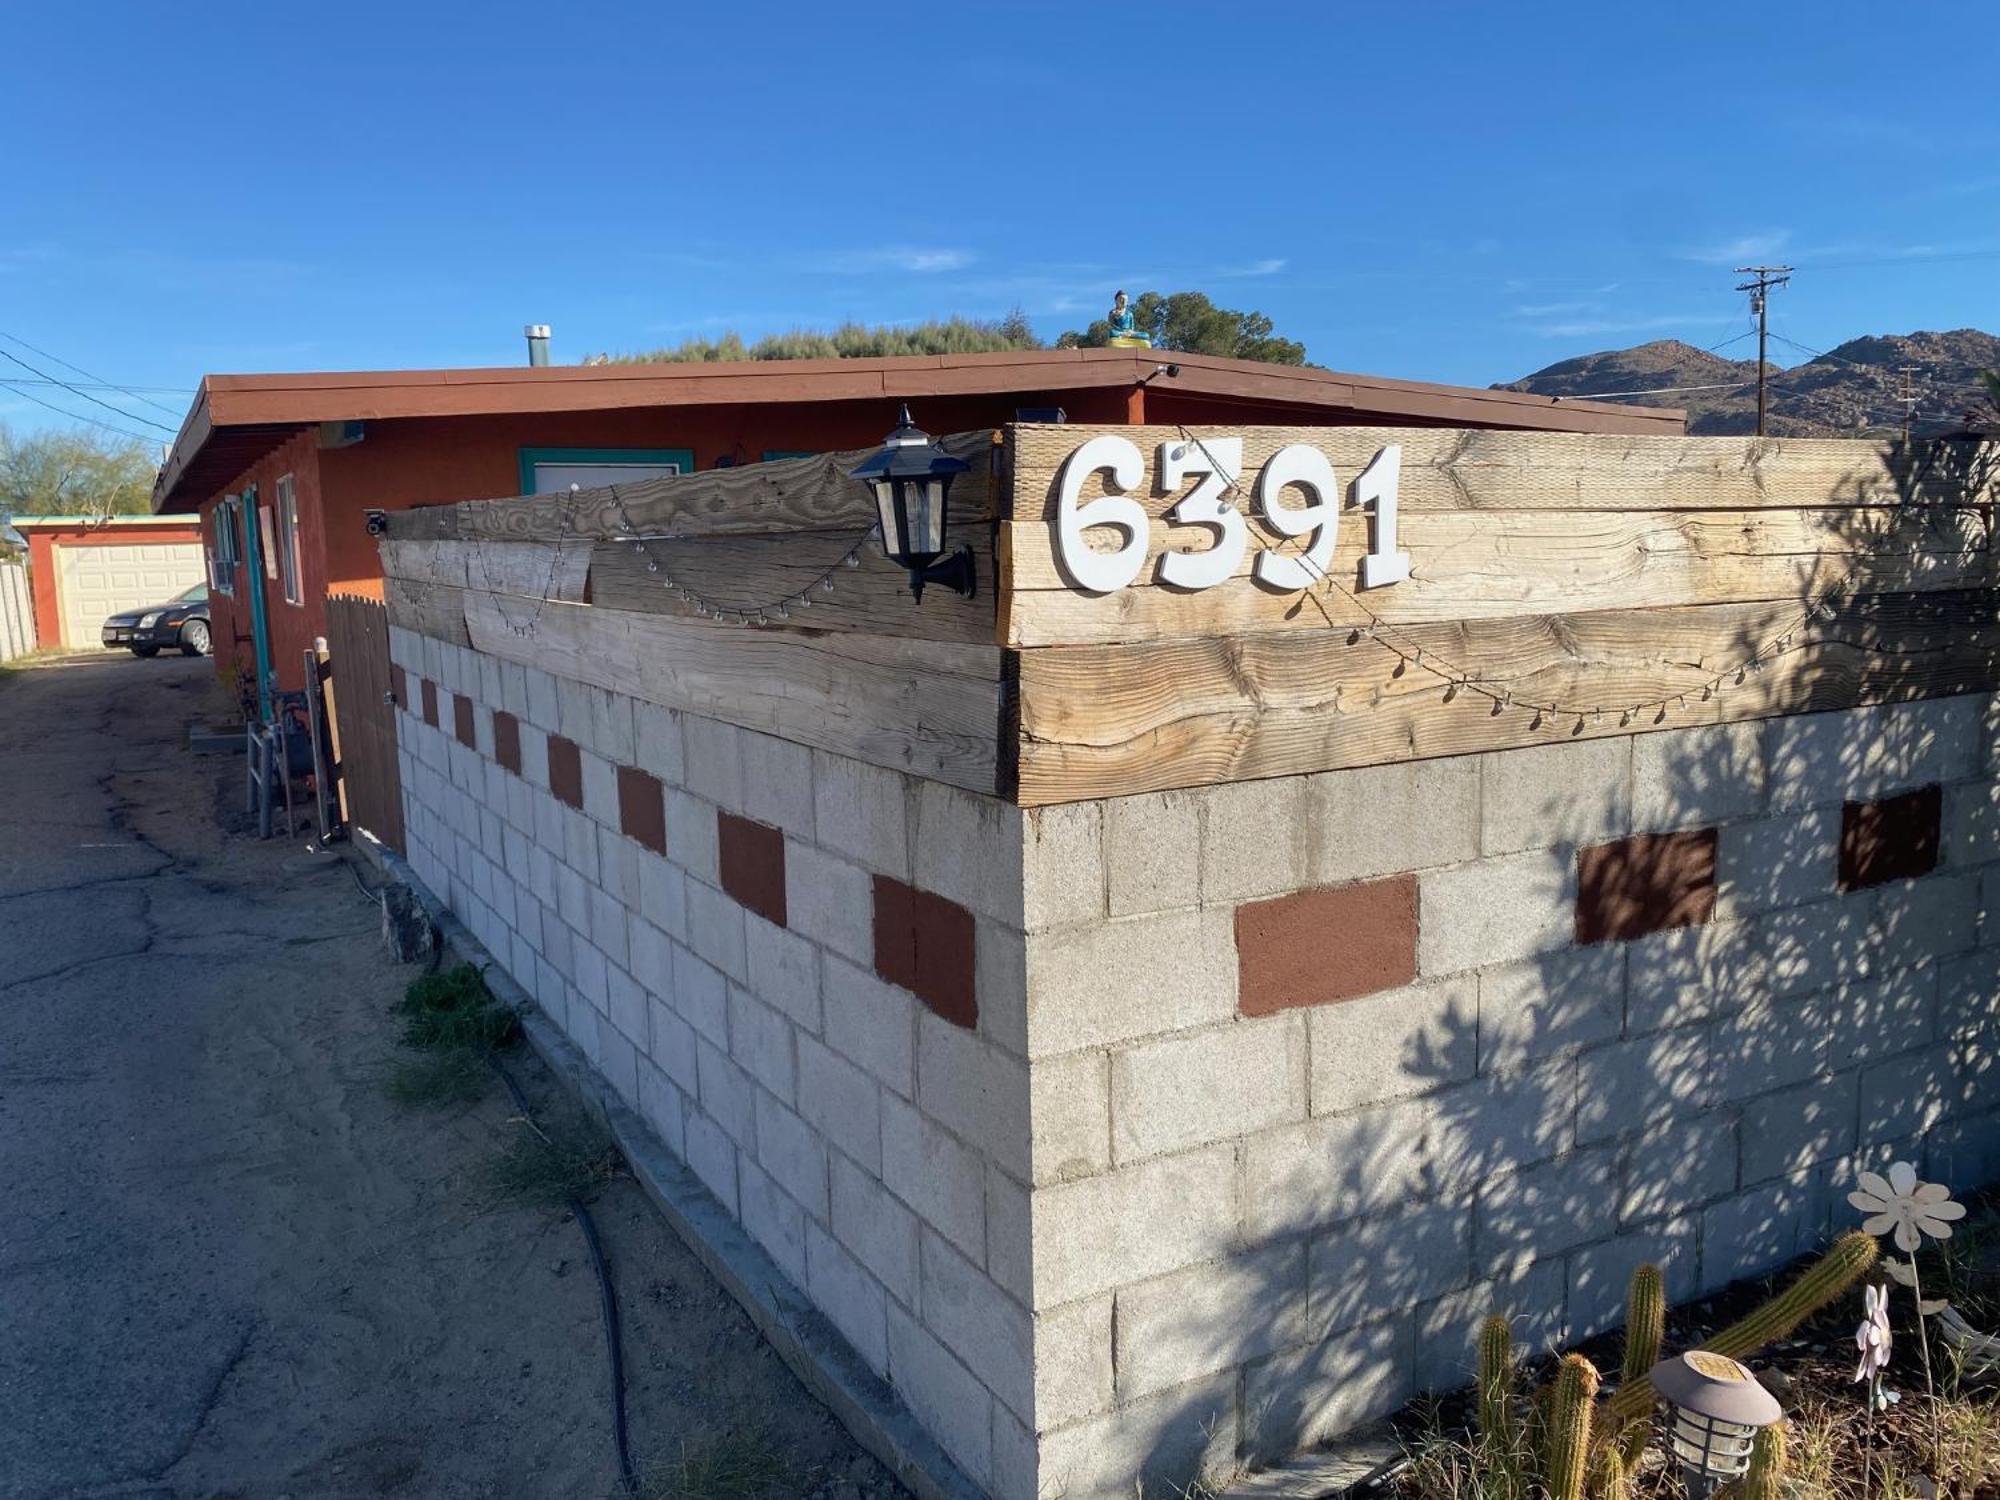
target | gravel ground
[{"x": 229, "y": 1265}]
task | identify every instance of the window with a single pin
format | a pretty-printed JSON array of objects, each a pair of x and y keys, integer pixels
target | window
[
  {"x": 545, "y": 471},
  {"x": 775, "y": 453},
  {"x": 288, "y": 541},
  {"x": 226, "y": 554}
]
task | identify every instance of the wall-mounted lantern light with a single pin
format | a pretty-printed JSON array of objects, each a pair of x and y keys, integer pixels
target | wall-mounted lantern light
[
  {"x": 1715, "y": 1406},
  {"x": 911, "y": 478}
]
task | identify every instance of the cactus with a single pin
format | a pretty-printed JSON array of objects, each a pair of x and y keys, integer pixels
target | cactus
[
  {"x": 1645, "y": 1330},
  {"x": 1568, "y": 1439},
  {"x": 1766, "y": 1474},
  {"x": 1845, "y": 1263},
  {"x": 1498, "y": 1427},
  {"x": 1611, "y": 1479}
]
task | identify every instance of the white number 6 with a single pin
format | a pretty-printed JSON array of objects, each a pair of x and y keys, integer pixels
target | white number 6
[
  {"x": 1102, "y": 572},
  {"x": 1220, "y": 463},
  {"x": 1310, "y": 470}
]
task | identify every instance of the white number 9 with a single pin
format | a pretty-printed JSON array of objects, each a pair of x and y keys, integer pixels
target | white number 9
[
  {"x": 1310, "y": 470},
  {"x": 1102, "y": 572}
]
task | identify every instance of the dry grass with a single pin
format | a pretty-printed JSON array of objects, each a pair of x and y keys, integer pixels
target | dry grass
[
  {"x": 439, "y": 1078},
  {"x": 548, "y": 1168},
  {"x": 732, "y": 1466}
]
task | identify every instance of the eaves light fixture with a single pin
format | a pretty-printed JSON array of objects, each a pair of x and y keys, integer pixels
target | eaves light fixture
[
  {"x": 911, "y": 481},
  {"x": 1715, "y": 1406}
]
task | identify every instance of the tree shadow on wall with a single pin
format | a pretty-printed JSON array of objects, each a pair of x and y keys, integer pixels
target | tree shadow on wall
[{"x": 1700, "y": 1096}]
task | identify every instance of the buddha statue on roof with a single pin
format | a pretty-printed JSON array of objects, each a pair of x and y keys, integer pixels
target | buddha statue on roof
[{"x": 1125, "y": 332}]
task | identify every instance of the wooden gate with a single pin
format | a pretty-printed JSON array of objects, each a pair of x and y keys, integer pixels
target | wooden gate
[{"x": 363, "y": 711}]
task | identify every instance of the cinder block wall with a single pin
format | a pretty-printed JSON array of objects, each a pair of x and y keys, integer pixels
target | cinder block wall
[
  {"x": 1132, "y": 1137},
  {"x": 1326, "y": 1068},
  {"x": 803, "y": 971}
]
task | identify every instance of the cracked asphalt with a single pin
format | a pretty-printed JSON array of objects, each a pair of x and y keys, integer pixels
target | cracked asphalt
[{"x": 229, "y": 1266}]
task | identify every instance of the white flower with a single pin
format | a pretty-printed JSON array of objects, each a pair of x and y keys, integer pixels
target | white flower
[
  {"x": 1873, "y": 1338},
  {"x": 1911, "y": 1208}
]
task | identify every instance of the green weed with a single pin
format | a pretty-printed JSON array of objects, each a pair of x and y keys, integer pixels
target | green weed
[{"x": 454, "y": 1008}]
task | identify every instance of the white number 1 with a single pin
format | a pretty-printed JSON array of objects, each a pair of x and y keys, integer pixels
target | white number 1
[{"x": 1377, "y": 486}]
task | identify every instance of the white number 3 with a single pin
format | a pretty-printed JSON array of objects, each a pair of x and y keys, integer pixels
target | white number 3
[{"x": 1219, "y": 462}]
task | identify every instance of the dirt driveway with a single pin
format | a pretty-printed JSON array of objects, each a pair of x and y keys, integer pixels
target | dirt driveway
[{"x": 229, "y": 1265}]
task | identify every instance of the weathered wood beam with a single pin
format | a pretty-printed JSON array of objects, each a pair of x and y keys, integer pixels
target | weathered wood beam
[{"x": 1101, "y": 721}]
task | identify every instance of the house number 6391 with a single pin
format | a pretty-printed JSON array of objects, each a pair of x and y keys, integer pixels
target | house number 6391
[{"x": 1216, "y": 464}]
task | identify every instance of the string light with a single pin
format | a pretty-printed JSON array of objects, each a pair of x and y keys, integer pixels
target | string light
[
  {"x": 1458, "y": 678},
  {"x": 728, "y": 611}
]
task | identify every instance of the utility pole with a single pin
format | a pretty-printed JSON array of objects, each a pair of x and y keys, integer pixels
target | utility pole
[
  {"x": 1767, "y": 277},
  {"x": 1909, "y": 398}
]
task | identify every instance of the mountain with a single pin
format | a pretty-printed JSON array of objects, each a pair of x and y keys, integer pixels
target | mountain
[{"x": 1851, "y": 391}]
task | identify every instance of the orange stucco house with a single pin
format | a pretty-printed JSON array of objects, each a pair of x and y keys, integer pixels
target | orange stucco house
[{"x": 282, "y": 468}]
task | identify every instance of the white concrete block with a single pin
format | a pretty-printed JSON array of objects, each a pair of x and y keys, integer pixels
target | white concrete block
[
  {"x": 947, "y": 1398},
  {"x": 991, "y": 1333},
  {"x": 618, "y": 1061},
  {"x": 700, "y": 994},
  {"x": 1210, "y": 1317},
  {"x": 1400, "y": 1042},
  {"x": 1257, "y": 839},
  {"x": 1010, "y": 1243},
  {"x": 777, "y": 783},
  {"x": 841, "y": 1102},
  {"x": 1000, "y": 980},
  {"x": 600, "y": 789},
  {"x": 1971, "y": 822},
  {"x": 760, "y": 1040},
  {"x": 934, "y": 1174},
  {"x": 1550, "y": 1004},
  {"x": 715, "y": 930},
  {"x": 873, "y": 1024},
  {"x": 662, "y": 894},
  {"x": 1382, "y": 820},
  {"x": 592, "y": 974},
  {"x": 773, "y": 1219},
  {"x": 713, "y": 760},
  {"x": 691, "y": 836},
  {"x": 1062, "y": 861},
  {"x": 831, "y": 901},
  {"x": 860, "y": 811},
  {"x": 626, "y": 1006},
  {"x": 1070, "y": 1116},
  {"x": 1105, "y": 1232},
  {"x": 1073, "y": 1369},
  {"x": 656, "y": 748},
  {"x": 792, "y": 1152},
  {"x": 878, "y": 1229},
  {"x": 543, "y": 707},
  {"x": 1134, "y": 977},
  {"x": 609, "y": 927},
  {"x": 712, "y": 1155},
  {"x": 1492, "y": 910},
  {"x": 611, "y": 726},
  {"x": 784, "y": 970},
  {"x": 1301, "y": 1177},
  {"x": 1152, "y": 852},
  {"x": 969, "y": 850},
  {"x": 1299, "y": 1397},
  {"x": 1692, "y": 778},
  {"x": 1578, "y": 792},
  {"x": 1787, "y": 860},
  {"x": 573, "y": 707},
  {"x": 618, "y": 866},
  {"x": 727, "y": 1094},
  {"x": 974, "y": 1089},
  {"x": 1168, "y": 1441},
  {"x": 1864, "y": 753},
  {"x": 853, "y": 1300},
  {"x": 672, "y": 1044},
  {"x": 1212, "y": 1085}
]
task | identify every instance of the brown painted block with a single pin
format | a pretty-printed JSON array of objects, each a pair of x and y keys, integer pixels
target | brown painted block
[
  {"x": 642, "y": 808},
  {"x": 896, "y": 932},
  {"x": 566, "y": 770},
  {"x": 928, "y": 946},
  {"x": 1647, "y": 883},
  {"x": 430, "y": 703},
  {"x": 461, "y": 717},
  {"x": 752, "y": 856},
  {"x": 1320, "y": 946},
  {"x": 507, "y": 740},
  {"x": 399, "y": 685},
  {"x": 1894, "y": 839}
]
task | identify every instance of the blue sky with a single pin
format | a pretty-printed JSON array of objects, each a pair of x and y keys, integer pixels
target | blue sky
[{"x": 1433, "y": 191}]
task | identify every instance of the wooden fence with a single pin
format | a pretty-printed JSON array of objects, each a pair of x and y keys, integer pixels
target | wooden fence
[
  {"x": 363, "y": 713},
  {"x": 17, "y": 612},
  {"x": 1557, "y": 586}
]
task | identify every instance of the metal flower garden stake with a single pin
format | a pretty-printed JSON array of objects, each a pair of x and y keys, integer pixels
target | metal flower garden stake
[
  {"x": 1873, "y": 1339},
  {"x": 1907, "y": 1211}
]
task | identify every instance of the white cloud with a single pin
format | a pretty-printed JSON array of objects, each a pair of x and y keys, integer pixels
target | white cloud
[
  {"x": 1591, "y": 327},
  {"x": 1270, "y": 267},
  {"x": 1742, "y": 249},
  {"x": 921, "y": 260}
]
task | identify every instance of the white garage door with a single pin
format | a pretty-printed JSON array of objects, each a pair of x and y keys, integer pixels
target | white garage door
[{"x": 100, "y": 581}]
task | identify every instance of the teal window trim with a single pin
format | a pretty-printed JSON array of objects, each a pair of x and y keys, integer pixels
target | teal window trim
[
  {"x": 532, "y": 456},
  {"x": 773, "y": 454}
]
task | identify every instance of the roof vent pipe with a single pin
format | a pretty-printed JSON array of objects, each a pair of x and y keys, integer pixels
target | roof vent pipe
[{"x": 538, "y": 343}]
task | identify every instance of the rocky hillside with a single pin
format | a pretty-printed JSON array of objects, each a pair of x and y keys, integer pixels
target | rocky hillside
[{"x": 1853, "y": 390}]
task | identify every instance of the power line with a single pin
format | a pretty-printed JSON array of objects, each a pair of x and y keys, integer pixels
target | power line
[
  {"x": 130, "y": 416},
  {"x": 137, "y": 437},
  {"x": 108, "y": 385},
  {"x": 1665, "y": 390},
  {"x": 84, "y": 385}
]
